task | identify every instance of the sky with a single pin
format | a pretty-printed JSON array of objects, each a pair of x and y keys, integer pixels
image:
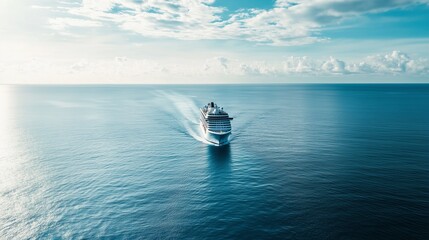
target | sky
[{"x": 214, "y": 41}]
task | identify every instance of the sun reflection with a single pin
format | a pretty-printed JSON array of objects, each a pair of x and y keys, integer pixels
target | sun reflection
[
  {"x": 17, "y": 180},
  {"x": 8, "y": 140}
]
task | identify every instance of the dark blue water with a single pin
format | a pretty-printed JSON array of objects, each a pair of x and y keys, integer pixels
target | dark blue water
[{"x": 305, "y": 162}]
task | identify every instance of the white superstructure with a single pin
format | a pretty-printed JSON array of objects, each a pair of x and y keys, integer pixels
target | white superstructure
[{"x": 215, "y": 124}]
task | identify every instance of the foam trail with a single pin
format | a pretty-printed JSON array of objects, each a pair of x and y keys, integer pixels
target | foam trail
[{"x": 185, "y": 111}]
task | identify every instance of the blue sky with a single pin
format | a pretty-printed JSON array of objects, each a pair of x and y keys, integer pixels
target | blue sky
[{"x": 207, "y": 41}]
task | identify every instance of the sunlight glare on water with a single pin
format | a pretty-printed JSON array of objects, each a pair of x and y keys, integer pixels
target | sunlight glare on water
[
  {"x": 20, "y": 190},
  {"x": 9, "y": 164}
]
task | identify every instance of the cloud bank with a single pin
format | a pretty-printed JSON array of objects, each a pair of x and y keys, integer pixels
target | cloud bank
[
  {"x": 220, "y": 69},
  {"x": 393, "y": 63},
  {"x": 286, "y": 23}
]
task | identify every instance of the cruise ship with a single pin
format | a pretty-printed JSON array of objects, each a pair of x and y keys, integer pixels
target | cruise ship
[{"x": 215, "y": 124}]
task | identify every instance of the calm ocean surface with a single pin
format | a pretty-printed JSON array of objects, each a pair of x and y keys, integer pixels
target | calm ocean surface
[{"x": 305, "y": 162}]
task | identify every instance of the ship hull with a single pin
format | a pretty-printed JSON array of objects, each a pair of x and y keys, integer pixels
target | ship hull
[{"x": 218, "y": 139}]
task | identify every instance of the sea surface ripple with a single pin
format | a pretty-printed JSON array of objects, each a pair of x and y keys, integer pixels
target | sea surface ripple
[{"x": 128, "y": 161}]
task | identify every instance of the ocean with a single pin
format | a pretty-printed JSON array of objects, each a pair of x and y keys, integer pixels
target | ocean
[{"x": 306, "y": 161}]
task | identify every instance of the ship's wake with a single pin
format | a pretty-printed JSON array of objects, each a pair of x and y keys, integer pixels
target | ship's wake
[{"x": 184, "y": 111}]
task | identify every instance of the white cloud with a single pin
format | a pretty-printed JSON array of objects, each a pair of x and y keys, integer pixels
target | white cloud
[
  {"x": 258, "y": 68},
  {"x": 334, "y": 65},
  {"x": 80, "y": 65},
  {"x": 395, "y": 62},
  {"x": 217, "y": 65},
  {"x": 40, "y": 7},
  {"x": 97, "y": 5},
  {"x": 121, "y": 59},
  {"x": 62, "y": 23},
  {"x": 287, "y": 23},
  {"x": 184, "y": 19},
  {"x": 299, "y": 65},
  {"x": 235, "y": 67}
]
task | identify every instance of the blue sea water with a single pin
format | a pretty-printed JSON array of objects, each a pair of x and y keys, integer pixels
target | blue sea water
[{"x": 128, "y": 162}]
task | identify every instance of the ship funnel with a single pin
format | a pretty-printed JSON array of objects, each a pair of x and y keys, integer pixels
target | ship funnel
[{"x": 212, "y": 104}]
